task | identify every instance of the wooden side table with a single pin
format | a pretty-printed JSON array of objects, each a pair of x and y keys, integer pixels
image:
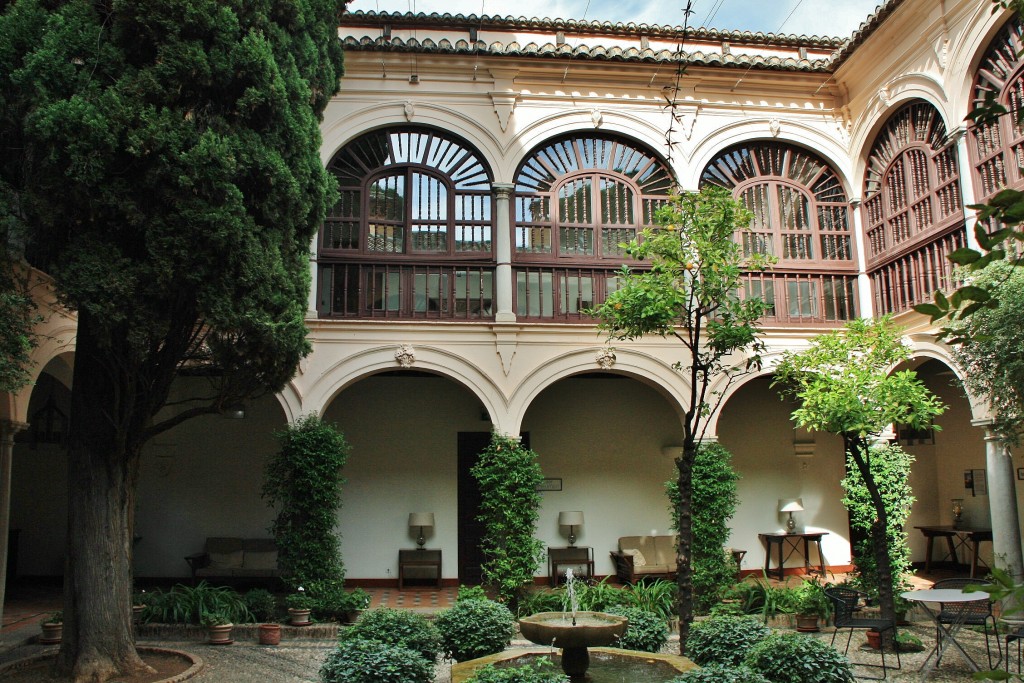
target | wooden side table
[
  {"x": 780, "y": 539},
  {"x": 414, "y": 559},
  {"x": 579, "y": 556}
]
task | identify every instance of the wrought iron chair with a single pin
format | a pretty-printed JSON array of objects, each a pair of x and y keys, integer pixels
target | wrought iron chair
[
  {"x": 978, "y": 613},
  {"x": 845, "y": 604},
  {"x": 1017, "y": 636}
]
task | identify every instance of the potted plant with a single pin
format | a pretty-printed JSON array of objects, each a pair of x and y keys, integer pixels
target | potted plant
[
  {"x": 139, "y": 601},
  {"x": 354, "y": 603},
  {"x": 269, "y": 634},
  {"x": 811, "y": 605},
  {"x": 53, "y": 628},
  {"x": 218, "y": 627},
  {"x": 299, "y": 607}
]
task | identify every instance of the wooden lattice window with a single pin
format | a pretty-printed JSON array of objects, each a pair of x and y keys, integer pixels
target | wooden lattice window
[
  {"x": 801, "y": 213},
  {"x": 409, "y": 192},
  {"x": 997, "y": 149},
  {"x": 581, "y": 197},
  {"x": 911, "y": 185}
]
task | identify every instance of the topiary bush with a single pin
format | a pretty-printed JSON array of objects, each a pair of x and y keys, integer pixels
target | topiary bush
[
  {"x": 724, "y": 639},
  {"x": 397, "y": 627},
  {"x": 538, "y": 671},
  {"x": 721, "y": 673},
  {"x": 647, "y": 632},
  {"x": 797, "y": 658},
  {"x": 358, "y": 660},
  {"x": 475, "y": 628}
]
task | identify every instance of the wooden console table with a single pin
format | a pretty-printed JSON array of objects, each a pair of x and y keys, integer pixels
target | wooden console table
[
  {"x": 780, "y": 539},
  {"x": 572, "y": 556},
  {"x": 956, "y": 539},
  {"x": 414, "y": 559}
]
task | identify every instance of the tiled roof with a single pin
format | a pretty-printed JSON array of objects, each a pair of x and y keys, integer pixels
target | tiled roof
[
  {"x": 588, "y": 28},
  {"x": 513, "y": 49},
  {"x": 866, "y": 29}
]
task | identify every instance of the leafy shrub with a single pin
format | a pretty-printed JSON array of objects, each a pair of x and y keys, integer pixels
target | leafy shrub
[
  {"x": 657, "y": 596},
  {"x": 475, "y": 628},
  {"x": 538, "y": 671},
  {"x": 358, "y": 660},
  {"x": 646, "y": 632},
  {"x": 330, "y": 600},
  {"x": 713, "y": 504},
  {"x": 598, "y": 597},
  {"x": 261, "y": 604},
  {"x": 797, "y": 658},
  {"x": 724, "y": 640},
  {"x": 303, "y": 481},
  {"x": 471, "y": 593},
  {"x": 300, "y": 600},
  {"x": 186, "y": 604},
  {"x": 397, "y": 627},
  {"x": 541, "y": 601},
  {"x": 809, "y": 598},
  {"x": 721, "y": 673},
  {"x": 508, "y": 475}
]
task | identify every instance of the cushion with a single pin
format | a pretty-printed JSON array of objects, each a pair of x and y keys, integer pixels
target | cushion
[
  {"x": 231, "y": 560},
  {"x": 638, "y": 557},
  {"x": 261, "y": 560}
]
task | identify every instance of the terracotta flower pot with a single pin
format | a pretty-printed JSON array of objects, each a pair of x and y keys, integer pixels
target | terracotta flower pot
[
  {"x": 269, "y": 634},
  {"x": 52, "y": 632},
  {"x": 874, "y": 640},
  {"x": 220, "y": 634},
  {"x": 807, "y": 623},
  {"x": 299, "y": 617}
]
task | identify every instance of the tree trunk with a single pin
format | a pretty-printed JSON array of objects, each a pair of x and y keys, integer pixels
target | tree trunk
[
  {"x": 684, "y": 567},
  {"x": 103, "y": 466},
  {"x": 858, "y": 448}
]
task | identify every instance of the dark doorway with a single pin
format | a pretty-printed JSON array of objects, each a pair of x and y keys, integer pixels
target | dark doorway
[{"x": 470, "y": 530}]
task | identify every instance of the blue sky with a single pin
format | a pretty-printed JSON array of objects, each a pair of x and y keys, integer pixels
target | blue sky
[{"x": 808, "y": 17}]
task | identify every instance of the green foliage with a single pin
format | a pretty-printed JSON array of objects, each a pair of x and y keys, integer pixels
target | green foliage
[
  {"x": 214, "y": 618},
  {"x": 537, "y": 671},
  {"x": 992, "y": 354},
  {"x": 658, "y": 597},
  {"x": 303, "y": 481},
  {"x": 358, "y": 660},
  {"x": 541, "y": 601},
  {"x": 187, "y": 604},
  {"x": 724, "y": 639},
  {"x": 330, "y": 601},
  {"x": 797, "y": 658},
  {"x": 646, "y": 632},
  {"x": 890, "y": 467},
  {"x": 809, "y": 598},
  {"x": 261, "y": 604},
  {"x": 721, "y": 673},
  {"x": 397, "y": 627},
  {"x": 757, "y": 595},
  {"x": 17, "y": 320},
  {"x": 508, "y": 475},
  {"x": 598, "y": 597},
  {"x": 475, "y": 628},
  {"x": 55, "y": 618},
  {"x": 471, "y": 593},
  {"x": 714, "y": 504}
]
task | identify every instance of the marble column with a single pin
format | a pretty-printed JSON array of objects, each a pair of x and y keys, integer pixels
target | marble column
[
  {"x": 503, "y": 253},
  {"x": 1002, "y": 501},
  {"x": 8, "y": 429}
]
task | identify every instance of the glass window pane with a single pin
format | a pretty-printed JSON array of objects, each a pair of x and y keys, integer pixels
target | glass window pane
[
  {"x": 802, "y": 297},
  {"x": 576, "y": 241},
  {"x": 574, "y": 202}
]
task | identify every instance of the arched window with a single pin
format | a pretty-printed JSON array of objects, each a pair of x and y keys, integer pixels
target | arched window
[
  {"x": 577, "y": 199},
  {"x": 911, "y": 186},
  {"x": 581, "y": 196},
  {"x": 997, "y": 149},
  {"x": 801, "y": 214},
  {"x": 913, "y": 212},
  {"x": 802, "y": 217},
  {"x": 411, "y": 234}
]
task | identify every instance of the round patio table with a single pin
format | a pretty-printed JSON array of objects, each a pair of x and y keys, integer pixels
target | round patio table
[{"x": 946, "y": 596}]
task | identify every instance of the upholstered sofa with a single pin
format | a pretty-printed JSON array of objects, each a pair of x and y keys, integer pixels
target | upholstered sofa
[
  {"x": 235, "y": 558},
  {"x": 642, "y": 557}
]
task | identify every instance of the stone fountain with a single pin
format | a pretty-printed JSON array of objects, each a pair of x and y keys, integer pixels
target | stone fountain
[{"x": 573, "y": 631}]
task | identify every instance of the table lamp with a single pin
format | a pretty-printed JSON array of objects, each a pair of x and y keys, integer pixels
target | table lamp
[
  {"x": 790, "y": 505},
  {"x": 571, "y": 519},
  {"x": 421, "y": 520}
]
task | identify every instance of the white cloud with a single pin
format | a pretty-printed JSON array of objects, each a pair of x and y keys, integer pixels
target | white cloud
[{"x": 811, "y": 17}]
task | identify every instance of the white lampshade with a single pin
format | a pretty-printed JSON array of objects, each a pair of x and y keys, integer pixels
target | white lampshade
[
  {"x": 790, "y": 505},
  {"x": 421, "y": 519},
  {"x": 570, "y": 518}
]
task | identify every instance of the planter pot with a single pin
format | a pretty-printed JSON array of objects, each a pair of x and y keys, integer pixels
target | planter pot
[
  {"x": 299, "y": 617},
  {"x": 219, "y": 635},
  {"x": 901, "y": 619},
  {"x": 807, "y": 623},
  {"x": 137, "y": 613},
  {"x": 874, "y": 640},
  {"x": 269, "y": 634},
  {"x": 52, "y": 633}
]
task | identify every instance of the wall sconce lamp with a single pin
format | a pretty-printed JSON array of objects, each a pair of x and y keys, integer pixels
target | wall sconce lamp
[
  {"x": 571, "y": 519},
  {"x": 235, "y": 411},
  {"x": 421, "y": 520},
  {"x": 790, "y": 505}
]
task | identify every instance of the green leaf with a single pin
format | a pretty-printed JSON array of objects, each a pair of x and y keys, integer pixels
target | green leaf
[
  {"x": 964, "y": 256},
  {"x": 931, "y": 310}
]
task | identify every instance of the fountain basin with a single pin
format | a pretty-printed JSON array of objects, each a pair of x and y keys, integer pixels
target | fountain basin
[
  {"x": 592, "y": 629},
  {"x": 656, "y": 668}
]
